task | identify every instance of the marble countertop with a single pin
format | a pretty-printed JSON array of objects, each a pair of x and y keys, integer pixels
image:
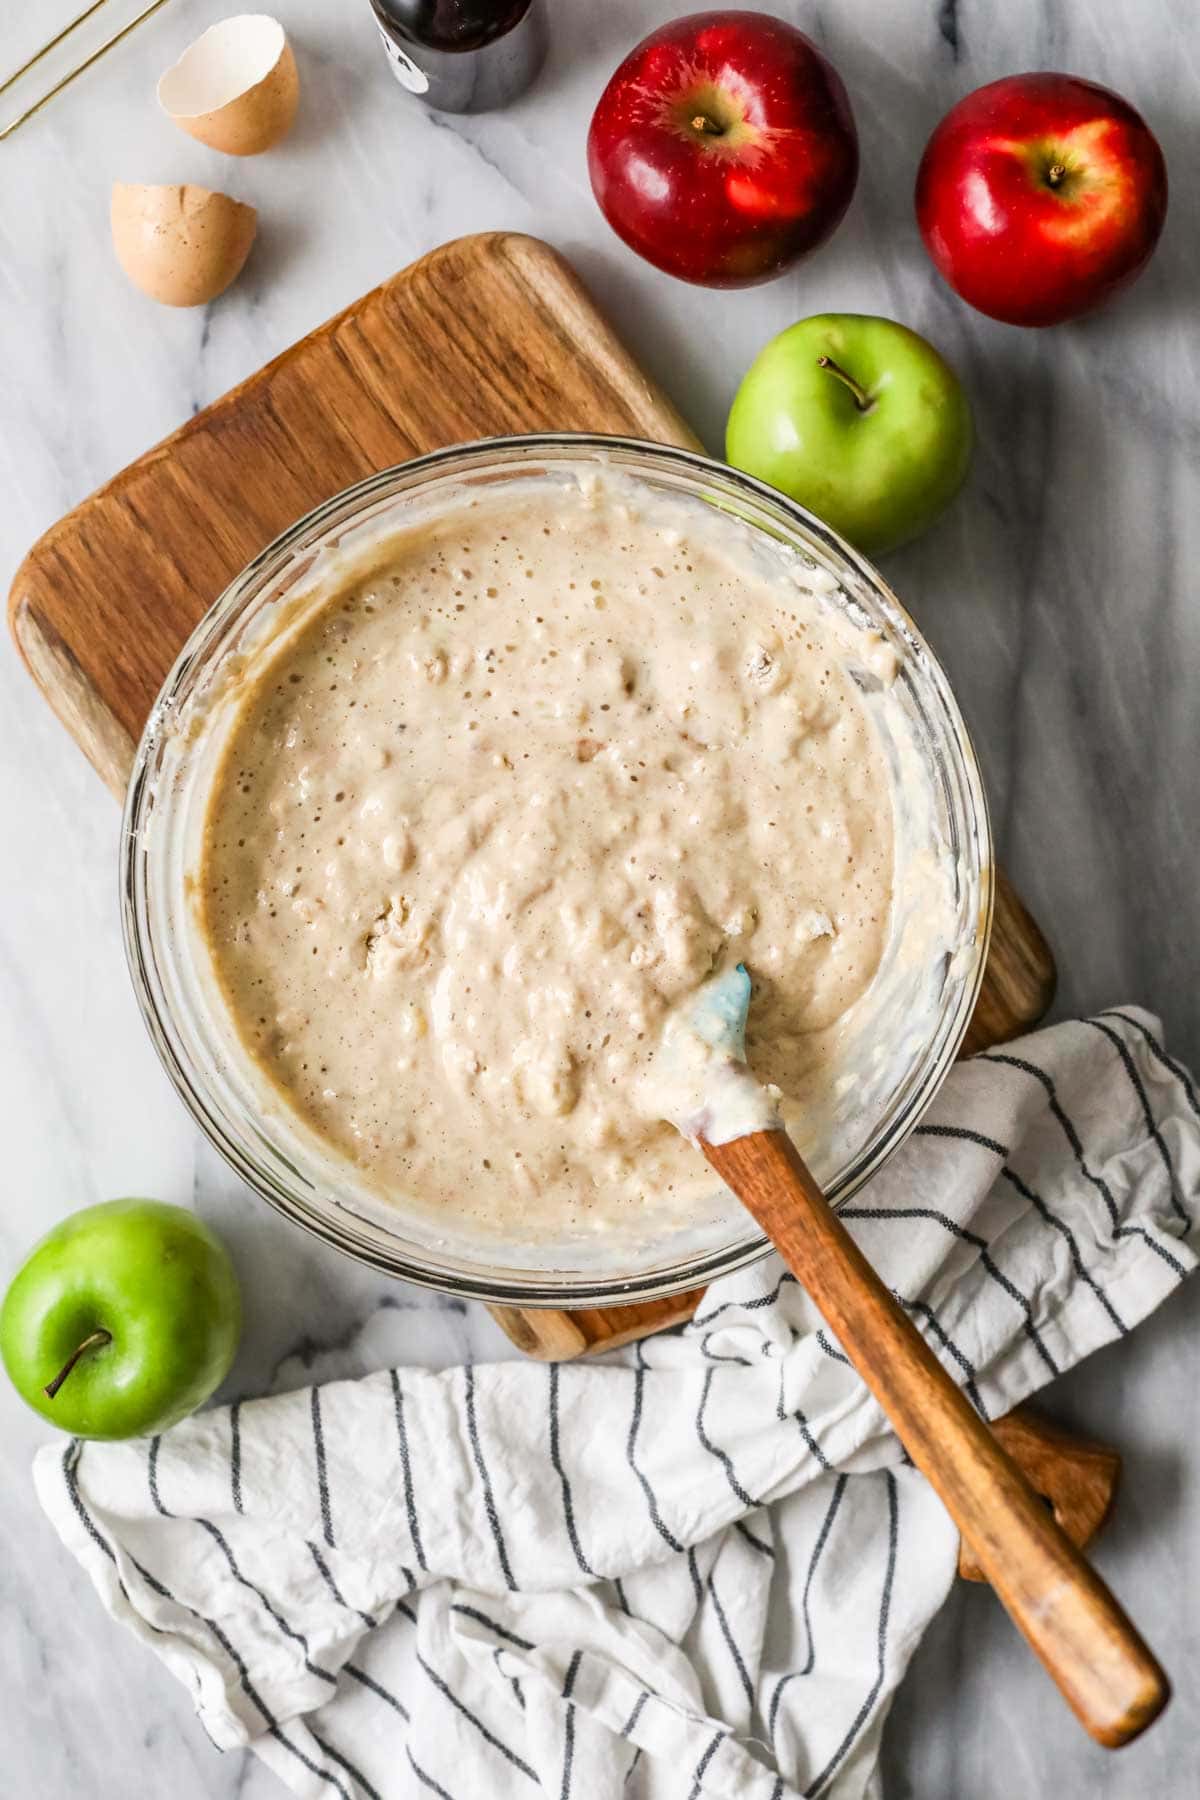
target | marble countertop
[{"x": 1059, "y": 591}]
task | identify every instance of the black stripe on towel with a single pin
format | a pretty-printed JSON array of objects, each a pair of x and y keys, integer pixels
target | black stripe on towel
[
  {"x": 1160, "y": 1055},
  {"x": 374, "y": 1687},
  {"x": 636, "y": 1714},
  {"x": 964, "y": 1135},
  {"x": 1072, "y": 1137},
  {"x": 569, "y": 1725},
  {"x": 722, "y": 1456},
  {"x": 806, "y": 1669},
  {"x": 326, "y": 1575},
  {"x": 218, "y": 1538},
  {"x": 752, "y": 1305},
  {"x": 694, "y": 1572},
  {"x": 742, "y": 1362},
  {"x": 987, "y": 1261},
  {"x": 71, "y": 1457},
  {"x": 1060, "y": 1225},
  {"x": 410, "y": 1498},
  {"x": 497, "y": 1653},
  {"x": 743, "y": 1530},
  {"x": 639, "y": 1376},
  {"x": 568, "y": 1753},
  {"x": 810, "y": 1442},
  {"x": 731, "y": 1643},
  {"x": 277, "y": 1734},
  {"x": 556, "y": 1460},
  {"x": 832, "y": 1350},
  {"x": 426, "y": 1780},
  {"x": 152, "y": 1476},
  {"x": 1151, "y": 1123},
  {"x": 489, "y": 1737},
  {"x": 322, "y": 1473},
  {"x": 885, "y": 1603},
  {"x": 343, "y": 1762},
  {"x": 235, "y": 1456},
  {"x": 247, "y": 1686},
  {"x": 481, "y": 1618},
  {"x": 951, "y": 1348},
  {"x": 230, "y": 1649},
  {"x": 289, "y": 1631},
  {"x": 714, "y": 1744},
  {"x": 489, "y": 1499},
  {"x": 70, "y": 1462}
]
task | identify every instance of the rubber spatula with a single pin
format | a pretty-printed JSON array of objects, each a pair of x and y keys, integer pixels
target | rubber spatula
[{"x": 1072, "y": 1622}]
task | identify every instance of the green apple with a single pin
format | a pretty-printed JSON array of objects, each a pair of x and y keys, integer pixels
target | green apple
[
  {"x": 858, "y": 419},
  {"x": 122, "y": 1320}
]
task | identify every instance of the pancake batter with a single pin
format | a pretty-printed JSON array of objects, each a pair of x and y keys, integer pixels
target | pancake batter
[{"x": 486, "y": 815}]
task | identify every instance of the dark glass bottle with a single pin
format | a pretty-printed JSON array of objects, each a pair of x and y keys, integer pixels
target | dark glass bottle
[{"x": 463, "y": 55}]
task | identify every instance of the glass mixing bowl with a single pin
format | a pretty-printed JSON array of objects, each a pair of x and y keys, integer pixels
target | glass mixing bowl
[{"x": 178, "y": 995}]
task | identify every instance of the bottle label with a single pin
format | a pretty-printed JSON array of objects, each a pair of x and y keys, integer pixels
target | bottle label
[{"x": 403, "y": 67}]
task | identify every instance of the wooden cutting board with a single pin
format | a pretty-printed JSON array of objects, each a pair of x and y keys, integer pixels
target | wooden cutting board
[{"x": 488, "y": 335}]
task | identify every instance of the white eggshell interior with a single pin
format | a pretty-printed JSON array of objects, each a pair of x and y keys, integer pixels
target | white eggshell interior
[{"x": 230, "y": 58}]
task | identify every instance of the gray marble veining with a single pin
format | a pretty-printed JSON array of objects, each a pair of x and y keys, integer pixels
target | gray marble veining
[{"x": 1059, "y": 591}]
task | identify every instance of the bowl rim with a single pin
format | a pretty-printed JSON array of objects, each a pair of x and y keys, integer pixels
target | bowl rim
[{"x": 337, "y": 1228}]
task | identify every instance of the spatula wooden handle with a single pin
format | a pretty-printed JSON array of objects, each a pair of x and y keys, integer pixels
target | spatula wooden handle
[{"x": 1071, "y": 1620}]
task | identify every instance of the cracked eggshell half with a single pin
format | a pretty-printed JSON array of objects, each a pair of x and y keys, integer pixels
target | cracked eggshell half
[
  {"x": 236, "y": 88},
  {"x": 181, "y": 245}
]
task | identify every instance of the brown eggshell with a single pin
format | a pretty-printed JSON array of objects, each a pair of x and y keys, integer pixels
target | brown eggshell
[
  {"x": 236, "y": 88},
  {"x": 181, "y": 245}
]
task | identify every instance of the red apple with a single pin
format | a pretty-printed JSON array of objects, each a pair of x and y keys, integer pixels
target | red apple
[
  {"x": 724, "y": 148},
  {"x": 1039, "y": 196}
]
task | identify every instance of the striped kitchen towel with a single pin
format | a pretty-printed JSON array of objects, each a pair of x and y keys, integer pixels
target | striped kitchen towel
[{"x": 697, "y": 1569}]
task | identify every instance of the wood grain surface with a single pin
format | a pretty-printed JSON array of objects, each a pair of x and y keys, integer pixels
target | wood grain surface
[
  {"x": 1075, "y": 1476},
  {"x": 1019, "y": 982},
  {"x": 1073, "y": 1623},
  {"x": 486, "y": 336}
]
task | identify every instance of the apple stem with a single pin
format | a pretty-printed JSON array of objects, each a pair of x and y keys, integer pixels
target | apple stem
[
  {"x": 706, "y": 126},
  {"x": 1056, "y": 174},
  {"x": 92, "y": 1342},
  {"x": 861, "y": 397}
]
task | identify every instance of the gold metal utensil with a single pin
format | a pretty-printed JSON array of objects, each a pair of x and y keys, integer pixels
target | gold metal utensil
[{"x": 39, "y": 56}]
